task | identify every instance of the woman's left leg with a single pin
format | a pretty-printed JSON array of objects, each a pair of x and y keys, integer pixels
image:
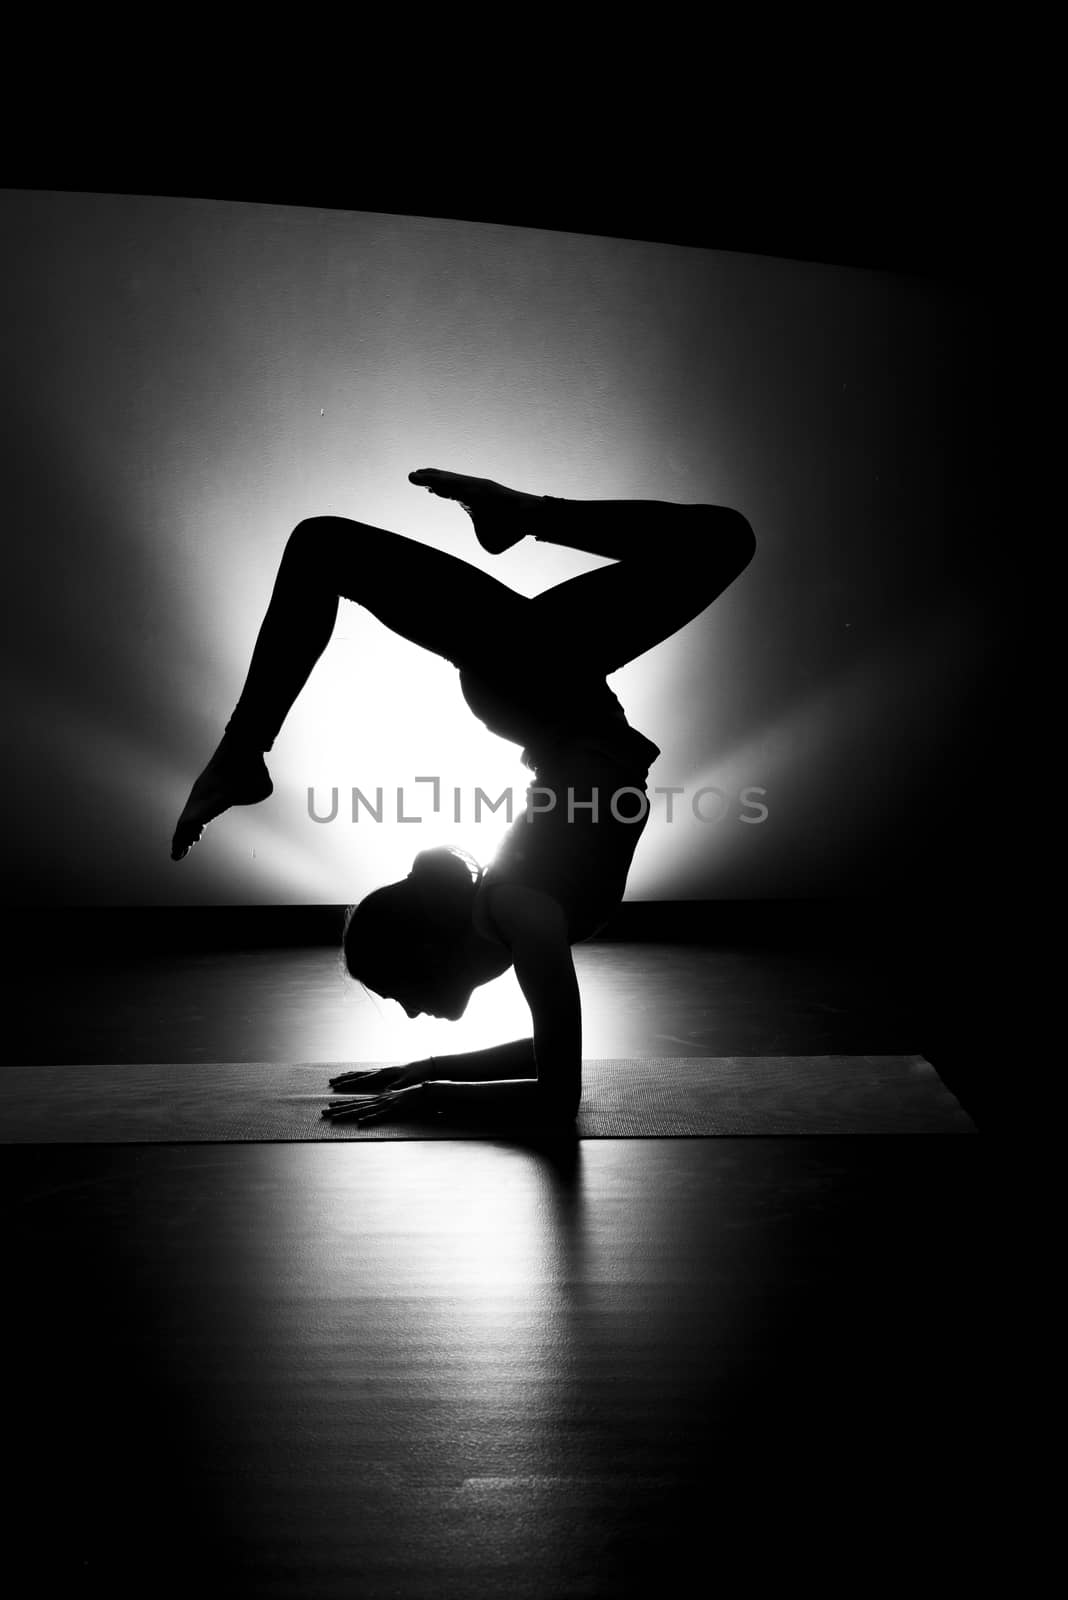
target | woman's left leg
[{"x": 435, "y": 600}]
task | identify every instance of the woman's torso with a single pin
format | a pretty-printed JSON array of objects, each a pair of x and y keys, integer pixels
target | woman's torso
[{"x": 583, "y": 753}]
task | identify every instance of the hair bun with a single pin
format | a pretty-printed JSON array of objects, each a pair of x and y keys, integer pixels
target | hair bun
[
  {"x": 443, "y": 864},
  {"x": 412, "y": 926},
  {"x": 443, "y": 881}
]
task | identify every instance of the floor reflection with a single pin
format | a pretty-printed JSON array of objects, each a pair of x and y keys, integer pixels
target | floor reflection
[{"x": 489, "y": 1368}]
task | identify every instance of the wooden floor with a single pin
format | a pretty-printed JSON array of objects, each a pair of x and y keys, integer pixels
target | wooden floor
[{"x": 576, "y": 1369}]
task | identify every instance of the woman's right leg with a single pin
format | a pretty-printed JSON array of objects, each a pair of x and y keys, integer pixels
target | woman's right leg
[
  {"x": 671, "y": 561},
  {"x": 426, "y": 595}
]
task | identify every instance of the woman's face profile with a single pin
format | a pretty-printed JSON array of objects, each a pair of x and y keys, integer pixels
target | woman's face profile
[
  {"x": 448, "y": 1010},
  {"x": 442, "y": 997}
]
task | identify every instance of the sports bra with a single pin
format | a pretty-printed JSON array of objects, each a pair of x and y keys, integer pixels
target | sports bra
[{"x": 559, "y": 844}]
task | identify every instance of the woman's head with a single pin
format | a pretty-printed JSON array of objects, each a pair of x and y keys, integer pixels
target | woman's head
[{"x": 408, "y": 940}]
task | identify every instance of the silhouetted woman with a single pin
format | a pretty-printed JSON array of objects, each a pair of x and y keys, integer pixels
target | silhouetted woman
[{"x": 533, "y": 670}]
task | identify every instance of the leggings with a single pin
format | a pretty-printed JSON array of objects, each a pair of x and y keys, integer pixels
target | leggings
[{"x": 671, "y": 561}]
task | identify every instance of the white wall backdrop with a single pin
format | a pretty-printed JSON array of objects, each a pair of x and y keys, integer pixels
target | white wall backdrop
[{"x": 186, "y": 380}]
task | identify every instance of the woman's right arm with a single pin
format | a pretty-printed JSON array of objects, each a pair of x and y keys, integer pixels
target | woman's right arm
[{"x": 512, "y": 1060}]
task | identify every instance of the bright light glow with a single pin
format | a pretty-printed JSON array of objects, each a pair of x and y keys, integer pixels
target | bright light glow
[
  {"x": 497, "y": 1274},
  {"x": 379, "y": 1029},
  {"x": 196, "y": 377},
  {"x": 378, "y": 715}
]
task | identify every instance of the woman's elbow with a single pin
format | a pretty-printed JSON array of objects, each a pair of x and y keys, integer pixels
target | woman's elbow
[{"x": 559, "y": 1104}]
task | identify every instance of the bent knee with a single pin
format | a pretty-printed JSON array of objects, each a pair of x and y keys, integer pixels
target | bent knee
[
  {"x": 313, "y": 538},
  {"x": 740, "y": 540},
  {"x": 313, "y": 530},
  {"x": 714, "y": 561}
]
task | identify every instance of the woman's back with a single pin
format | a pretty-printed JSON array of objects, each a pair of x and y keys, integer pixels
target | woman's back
[
  {"x": 575, "y": 840},
  {"x": 587, "y": 807}
]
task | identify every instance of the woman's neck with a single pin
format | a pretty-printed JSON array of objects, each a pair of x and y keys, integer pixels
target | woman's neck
[{"x": 484, "y": 959}]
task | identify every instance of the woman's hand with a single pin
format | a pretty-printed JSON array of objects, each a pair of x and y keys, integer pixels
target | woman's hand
[
  {"x": 370, "y": 1107},
  {"x": 381, "y": 1079},
  {"x": 378, "y": 1093}
]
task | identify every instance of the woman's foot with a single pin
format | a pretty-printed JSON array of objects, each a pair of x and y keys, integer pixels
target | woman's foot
[
  {"x": 233, "y": 777},
  {"x": 501, "y": 516}
]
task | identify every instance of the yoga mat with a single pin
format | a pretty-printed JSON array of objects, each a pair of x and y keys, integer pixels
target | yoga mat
[{"x": 645, "y": 1098}]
